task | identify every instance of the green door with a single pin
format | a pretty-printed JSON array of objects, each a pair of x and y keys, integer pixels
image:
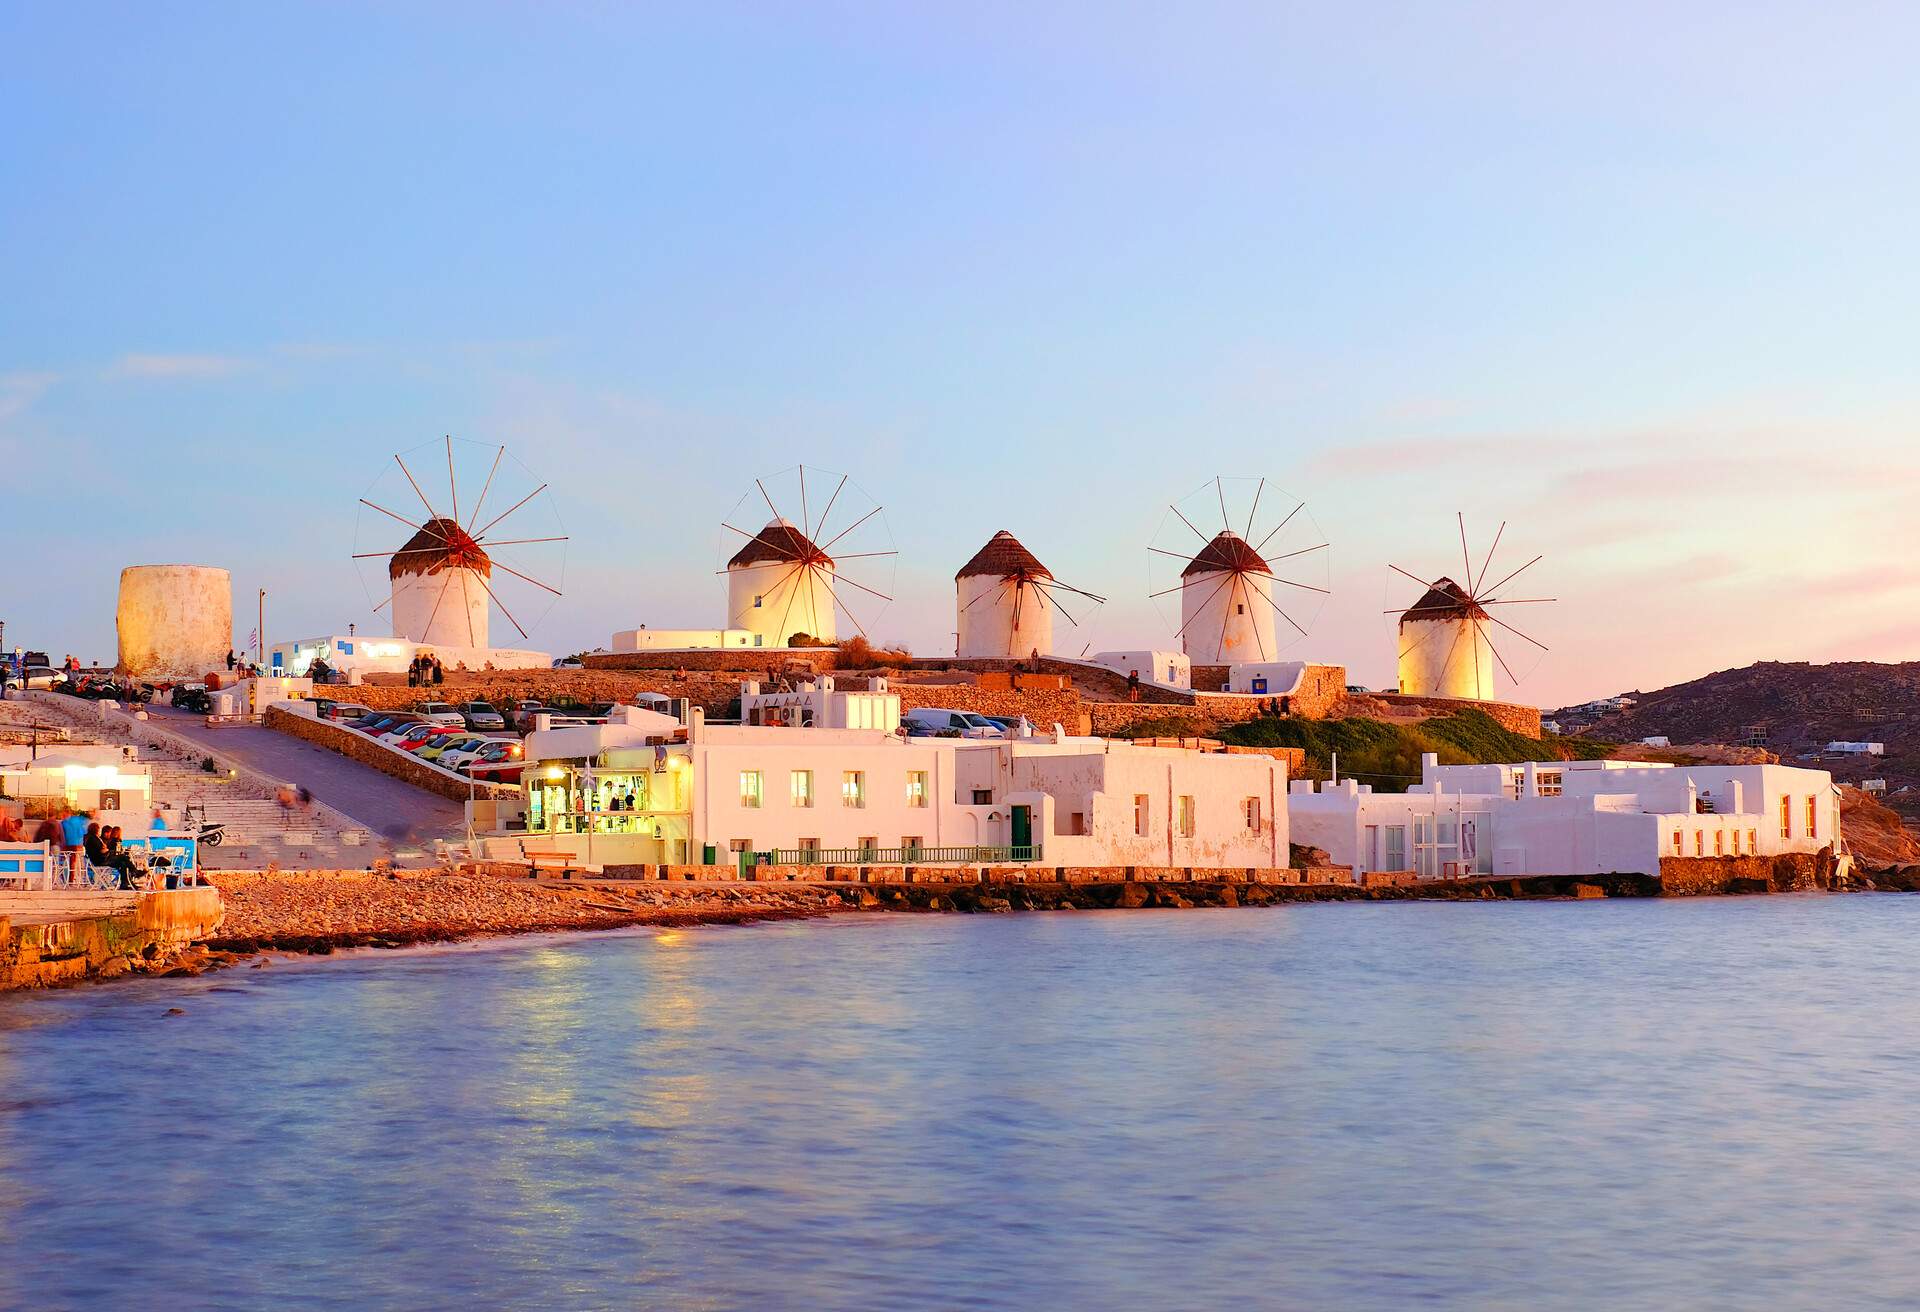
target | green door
[{"x": 1022, "y": 829}]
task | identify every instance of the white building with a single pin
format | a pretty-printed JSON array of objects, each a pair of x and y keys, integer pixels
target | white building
[
  {"x": 1566, "y": 817},
  {"x": 359, "y": 655},
  {"x": 1001, "y": 606},
  {"x": 1226, "y": 605},
  {"x": 1165, "y": 669},
  {"x": 1444, "y": 651},
  {"x": 645, "y": 790},
  {"x": 1857, "y": 749},
  {"x": 646, "y": 639},
  {"x": 104, "y": 780}
]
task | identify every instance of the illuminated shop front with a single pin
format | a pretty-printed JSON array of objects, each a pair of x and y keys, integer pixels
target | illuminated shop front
[{"x": 640, "y": 798}]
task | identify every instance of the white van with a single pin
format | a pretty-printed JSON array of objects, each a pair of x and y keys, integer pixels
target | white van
[{"x": 930, "y": 720}]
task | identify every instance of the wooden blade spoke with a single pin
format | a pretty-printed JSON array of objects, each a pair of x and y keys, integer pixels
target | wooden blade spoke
[
  {"x": 839, "y": 578},
  {"x": 1424, "y": 583},
  {"x": 1189, "y": 523},
  {"x": 431, "y": 512},
  {"x": 769, "y": 500},
  {"x": 500, "y": 564},
  {"x": 1181, "y": 631},
  {"x": 515, "y": 506},
  {"x": 1056, "y": 585},
  {"x": 1226, "y": 525},
  {"x": 1474, "y": 587},
  {"x": 1516, "y": 633},
  {"x": 1292, "y": 583},
  {"x": 483, "y": 489},
  {"x": 828, "y": 583},
  {"x": 821, "y": 527},
  {"x": 782, "y": 636},
  {"x": 1495, "y": 589},
  {"x": 1511, "y": 676},
  {"x": 806, "y": 518},
  {"x": 848, "y": 529},
  {"x": 453, "y": 492},
  {"x": 1004, "y": 585},
  {"x": 1262, "y": 487},
  {"x": 1276, "y": 605},
  {"x": 1282, "y": 524},
  {"x": 503, "y": 606},
  {"x": 1466, "y": 557},
  {"x": 516, "y": 542},
  {"x": 418, "y": 528}
]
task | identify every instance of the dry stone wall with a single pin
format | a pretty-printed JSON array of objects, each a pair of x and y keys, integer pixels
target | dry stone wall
[{"x": 357, "y": 746}]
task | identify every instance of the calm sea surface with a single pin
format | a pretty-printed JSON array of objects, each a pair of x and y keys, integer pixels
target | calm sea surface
[{"x": 1699, "y": 1104}]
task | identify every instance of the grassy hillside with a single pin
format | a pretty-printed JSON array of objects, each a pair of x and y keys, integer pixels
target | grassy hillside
[{"x": 1384, "y": 755}]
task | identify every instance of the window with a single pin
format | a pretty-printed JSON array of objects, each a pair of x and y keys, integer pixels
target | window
[
  {"x": 800, "y": 787},
  {"x": 1396, "y": 847},
  {"x": 1719, "y": 842},
  {"x": 750, "y": 789},
  {"x": 1699, "y": 842},
  {"x": 1753, "y": 842},
  {"x": 739, "y": 845},
  {"x": 1813, "y": 817},
  {"x": 916, "y": 788},
  {"x": 869, "y": 848},
  {"x": 1786, "y": 817},
  {"x": 1185, "y": 813},
  {"x": 809, "y": 850},
  {"x": 1142, "y": 813},
  {"x": 1736, "y": 842},
  {"x": 1077, "y": 823},
  {"x": 983, "y": 797},
  {"x": 853, "y": 788},
  {"x": 1550, "y": 782},
  {"x": 1250, "y": 809},
  {"x": 1677, "y": 849},
  {"x": 910, "y": 847}
]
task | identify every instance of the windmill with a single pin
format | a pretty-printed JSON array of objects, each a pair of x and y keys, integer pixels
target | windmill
[
  {"x": 1005, "y": 600},
  {"x": 790, "y": 578},
  {"x": 1445, "y": 641},
  {"x": 443, "y": 581},
  {"x": 1267, "y": 562}
]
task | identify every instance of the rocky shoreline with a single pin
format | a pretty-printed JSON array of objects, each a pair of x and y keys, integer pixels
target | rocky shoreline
[{"x": 320, "y": 912}]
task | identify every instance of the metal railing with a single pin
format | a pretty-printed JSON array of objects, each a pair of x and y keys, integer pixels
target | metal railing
[{"x": 892, "y": 856}]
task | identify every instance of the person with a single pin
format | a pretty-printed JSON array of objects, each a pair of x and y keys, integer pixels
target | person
[
  {"x": 232, "y": 660},
  {"x": 1133, "y": 685},
  {"x": 9, "y": 829},
  {"x": 48, "y": 832},
  {"x": 73, "y": 839},
  {"x": 94, "y": 846},
  {"x": 158, "y": 824},
  {"x": 413, "y": 672},
  {"x": 1035, "y": 660},
  {"x": 439, "y": 672}
]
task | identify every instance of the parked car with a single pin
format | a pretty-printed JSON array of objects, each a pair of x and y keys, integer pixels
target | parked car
[
  {"x": 495, "y": 772},
  {"x": 524, "y": 713},
  {"x": 339, "y": 712},
  {"x": 426, "y": 736},
  {"x": 933, "y": 721},
  {"x": 400, "y": 730},
  {"x": 436, "y": 749},
  {"x": 489, "y": 749},
  {"x": 441, "y": 713},
  {"x": 481, "y": 715},
  {"x": 378, "y": 722},
  {"x": 36, "y": 676}
]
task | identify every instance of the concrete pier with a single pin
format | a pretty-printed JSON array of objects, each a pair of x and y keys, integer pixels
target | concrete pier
[{"x": 62, "y": 937}]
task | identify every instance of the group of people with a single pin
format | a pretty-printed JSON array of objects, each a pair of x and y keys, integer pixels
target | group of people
[
  {"x": 240, "y": 667},
  {"x": 81, "y": 841},
  {"x": 425, "y": 670}
]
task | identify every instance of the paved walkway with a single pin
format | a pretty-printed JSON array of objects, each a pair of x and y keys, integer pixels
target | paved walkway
[{"x": 388, "y": 807}]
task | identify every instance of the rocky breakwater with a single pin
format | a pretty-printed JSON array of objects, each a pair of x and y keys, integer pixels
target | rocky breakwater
[{"x": 320, "y": 910}]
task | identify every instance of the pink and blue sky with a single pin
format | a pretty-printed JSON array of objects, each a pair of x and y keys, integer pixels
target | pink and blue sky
[{"x": 1637, "y": 279}]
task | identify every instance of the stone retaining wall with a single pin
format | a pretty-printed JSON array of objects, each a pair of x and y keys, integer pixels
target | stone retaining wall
[
  {"x": 356, "y": 746},
  {"x": 86, "y": 947},
  {"x": 748, "y": 662},
  {"x": 1791, "y": 872}
]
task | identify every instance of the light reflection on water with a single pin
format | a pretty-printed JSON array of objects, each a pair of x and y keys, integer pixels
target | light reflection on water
[{"x": 1605, "y": 1105}]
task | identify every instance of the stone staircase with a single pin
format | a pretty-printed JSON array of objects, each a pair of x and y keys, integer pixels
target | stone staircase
[{"x": 259, "y": 830}]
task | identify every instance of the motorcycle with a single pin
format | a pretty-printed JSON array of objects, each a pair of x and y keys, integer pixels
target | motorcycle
[{"x": 208, "y": 833}]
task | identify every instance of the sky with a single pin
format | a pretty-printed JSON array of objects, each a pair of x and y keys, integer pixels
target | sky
[{"x": 1634, "y": 280}]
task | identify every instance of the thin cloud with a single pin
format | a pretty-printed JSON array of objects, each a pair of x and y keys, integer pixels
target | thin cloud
[
  {"x": 19, "y": 391},
  {"x": 188, "y": 367}
]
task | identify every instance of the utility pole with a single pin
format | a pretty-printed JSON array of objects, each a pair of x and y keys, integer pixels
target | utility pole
[{"x": 260, "y": 634}]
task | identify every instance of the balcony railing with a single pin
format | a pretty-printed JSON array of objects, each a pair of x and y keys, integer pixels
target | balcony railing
[{"x": 891, "y": 856}]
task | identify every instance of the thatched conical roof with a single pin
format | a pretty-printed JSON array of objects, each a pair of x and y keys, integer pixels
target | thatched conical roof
[
  {"x": 1228, "y": 553},
  {"x": 440, "y": 544},
  {"x": 1445, "y": 600},
  {"x": 1004, "y": 557},
  {"x": 779, "y": 541}
]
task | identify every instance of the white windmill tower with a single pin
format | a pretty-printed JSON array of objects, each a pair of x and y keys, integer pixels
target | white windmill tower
[
  {"x": 1446, "y": 646},
  {"x": 1004, "y": 601},
  {"x": 785, "y": 581},
  {"x": 1235, "y": 586}
]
